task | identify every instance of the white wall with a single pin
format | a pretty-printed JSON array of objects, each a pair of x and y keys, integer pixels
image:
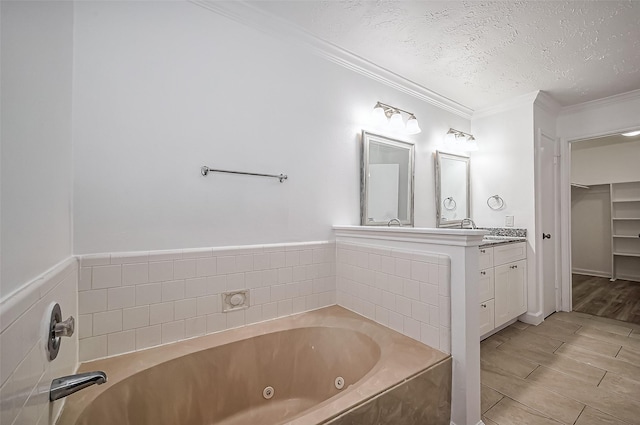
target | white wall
[
  {"x": 36, "y": 168},
  {"x": 163, "y": 88},
  {"x": 591, "y": 230},
  {"x": 37, "y": 269},
  {"x": 504, "y": 166},
  {"x": 611, "y": 163}
]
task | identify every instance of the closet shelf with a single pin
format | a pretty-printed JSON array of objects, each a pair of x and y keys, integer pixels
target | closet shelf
[
  {"x": 626, "y": 200},
  {"x": 626, "y": 254}
]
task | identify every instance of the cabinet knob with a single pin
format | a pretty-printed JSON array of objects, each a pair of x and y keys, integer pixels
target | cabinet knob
[
  {"x": 483, "y": 251},
  {"x": 546, "y": 236},
  {"x": 483, "y": 273},
  {"x": 483, "y": 305}
]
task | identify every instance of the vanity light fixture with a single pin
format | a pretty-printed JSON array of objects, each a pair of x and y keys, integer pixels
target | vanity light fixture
[
  {"x": 391, "y": 116},
  {"x": 459, "y": 140},
  {"x": 632, "y": 133}
]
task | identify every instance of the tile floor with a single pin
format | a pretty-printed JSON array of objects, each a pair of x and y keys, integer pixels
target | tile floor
[{"x": 572, "y": 369}]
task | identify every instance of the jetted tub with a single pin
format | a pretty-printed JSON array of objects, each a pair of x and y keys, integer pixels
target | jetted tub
[{"x": 220, "y": 378}]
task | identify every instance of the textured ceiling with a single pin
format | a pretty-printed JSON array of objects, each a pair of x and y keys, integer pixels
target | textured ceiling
[{"x": 479, "y": 53}]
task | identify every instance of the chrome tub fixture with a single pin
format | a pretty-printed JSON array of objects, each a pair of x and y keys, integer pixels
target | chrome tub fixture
[{"x": 67, "y": 385}]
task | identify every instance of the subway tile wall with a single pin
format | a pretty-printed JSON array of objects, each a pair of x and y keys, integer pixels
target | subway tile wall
[
  {"x": 407, "y": 291},
  {"x": 132, "y": 301},
  {"x": 25, "y": 372}
]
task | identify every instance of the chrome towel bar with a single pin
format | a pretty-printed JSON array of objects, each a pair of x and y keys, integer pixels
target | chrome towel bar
[{"x": 204, "y": 170}]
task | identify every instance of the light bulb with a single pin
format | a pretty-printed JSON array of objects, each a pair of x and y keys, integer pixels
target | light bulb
[
  {"x": 378, "y": 116},
  {"x": 631, "y": 133},
  {"x": 450, "y": 139},
  {"x": 471, "y": 145},
  {"x": 396, "y": 121},
  {"x": 412, "y": 125}
]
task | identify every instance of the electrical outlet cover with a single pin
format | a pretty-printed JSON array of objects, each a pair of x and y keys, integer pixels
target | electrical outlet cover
[{"x": 509, "y": 221}]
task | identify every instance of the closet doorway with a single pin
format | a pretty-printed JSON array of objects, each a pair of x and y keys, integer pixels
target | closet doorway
[{"x": 605, "y": 227}]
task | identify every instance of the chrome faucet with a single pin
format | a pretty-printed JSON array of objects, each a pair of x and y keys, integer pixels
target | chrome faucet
[
  {"x": 394, "y": 220},
  {"x": 467, "y": 222},
  {"x": 67, "y": 385}
]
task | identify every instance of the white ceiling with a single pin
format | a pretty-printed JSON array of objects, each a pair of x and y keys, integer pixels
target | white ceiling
[
  {"x": 479, "y": 53},
  {"x": 601, "y": 141}
]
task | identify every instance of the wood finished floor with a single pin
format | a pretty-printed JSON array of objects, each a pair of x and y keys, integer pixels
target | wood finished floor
[
  {"x": 618, "y": 300},
  {"x": 572, "y": 369}
]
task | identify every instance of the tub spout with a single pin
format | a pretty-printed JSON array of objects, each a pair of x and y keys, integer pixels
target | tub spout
[{"x": 67, "y": 385}]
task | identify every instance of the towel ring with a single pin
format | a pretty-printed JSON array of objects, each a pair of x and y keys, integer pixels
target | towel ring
[
  {"x": 449, "y": 203},
  {"x": 497, "y": 205}
]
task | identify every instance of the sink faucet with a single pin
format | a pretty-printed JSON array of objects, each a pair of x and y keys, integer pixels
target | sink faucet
[
  {"x": 394, "y": 220},
  {"x": 467, "y": 222},
  {"x": 67, "y": 385}
]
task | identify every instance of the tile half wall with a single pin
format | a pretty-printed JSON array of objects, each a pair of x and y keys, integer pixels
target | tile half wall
[
  {"x": 408, "y": 291},
  {"x": 25, "y": 371},
  {"x": 132, "y": 301}
]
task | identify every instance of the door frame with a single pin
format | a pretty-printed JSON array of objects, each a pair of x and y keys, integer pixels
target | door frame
[
  {"x": 565, "y": 209},
  {"x": 538, "y": 220}
]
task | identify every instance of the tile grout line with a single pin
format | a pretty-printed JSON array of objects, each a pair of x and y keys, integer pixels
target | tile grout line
[
  {"x": 619, "y": 350},
  {"x": 601, "y": 379},
  {"x": 529, "y": 374},
  {"x": 581, "y": 412}
]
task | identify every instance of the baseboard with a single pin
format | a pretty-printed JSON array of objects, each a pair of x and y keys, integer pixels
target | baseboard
[
  {"x": 479, "y": 423},
  {"x": 498, "y": 329},
  {"x": 596, "y": 273},
  {"x": 633, "y": 278},
  {"x": 532, "y": 318}
]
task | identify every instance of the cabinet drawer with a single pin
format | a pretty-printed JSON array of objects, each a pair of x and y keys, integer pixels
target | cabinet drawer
[
  {"x": 509, "y": 253},
  {"x": 486, "y": 285},
  {"x": 486, "y": 317},
  {"x": 485, "y": 258}
]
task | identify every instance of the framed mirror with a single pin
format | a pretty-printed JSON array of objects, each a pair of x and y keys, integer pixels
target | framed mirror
[
  {"x": 452, "y": 189},
  {"x": 386, "y": 181}
]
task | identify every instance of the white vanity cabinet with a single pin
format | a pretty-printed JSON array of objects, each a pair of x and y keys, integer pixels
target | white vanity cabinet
[{"x": 502, "y": 284}]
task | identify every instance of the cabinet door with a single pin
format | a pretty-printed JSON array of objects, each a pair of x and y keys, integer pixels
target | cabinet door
[
  {"x": 503, "y": 254},
  {"x": 486, "y": 317},
  {"x": 501, "y": 282},
  {"x": 485, "y": 258},
  {"x": 485, "y": 285},
  {"x": 517, "y": 288}
]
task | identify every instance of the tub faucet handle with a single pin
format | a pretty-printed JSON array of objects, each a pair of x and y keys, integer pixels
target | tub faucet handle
[{"x": 65, "y": 328}]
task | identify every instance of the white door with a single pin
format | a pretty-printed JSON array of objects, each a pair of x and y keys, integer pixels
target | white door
[{"x": 547, "y": 237}]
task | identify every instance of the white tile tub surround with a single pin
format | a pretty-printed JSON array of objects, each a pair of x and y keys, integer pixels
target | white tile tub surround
[
  {"x": 408, "y": 291},
  {"x": 461, "y": 246},
  {"x": 25, "y": 372},
  {"x": 132, "y": 301}
]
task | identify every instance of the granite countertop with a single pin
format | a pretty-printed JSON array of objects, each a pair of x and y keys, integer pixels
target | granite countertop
[{"x": 490, "y": 240}]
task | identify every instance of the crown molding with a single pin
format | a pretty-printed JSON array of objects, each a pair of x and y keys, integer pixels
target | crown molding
[
  {"x": 258, "y": 19},
  {"x": 547, "y": 103},
  {"x": 600, "y": 103},
  {"x": 514, "y": 102}
]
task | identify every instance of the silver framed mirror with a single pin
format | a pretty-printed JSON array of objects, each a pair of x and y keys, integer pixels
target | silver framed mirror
[
  {"x": 452, "y": 189},
  {"x": 386, "y": 181}
]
